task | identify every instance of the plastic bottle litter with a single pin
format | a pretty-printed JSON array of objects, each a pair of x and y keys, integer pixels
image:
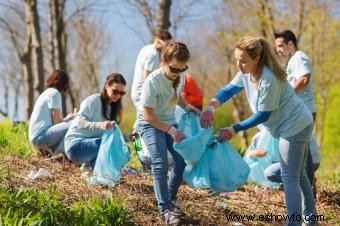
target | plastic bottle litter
[
  {"x": 41, "y": 173},
  {"x": 137, "y": 143}
]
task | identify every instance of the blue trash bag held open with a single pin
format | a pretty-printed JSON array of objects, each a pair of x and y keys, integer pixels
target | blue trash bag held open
[
  {"x": 196, "y": 138},
  {"x": 112, "y": 156},
  {"x": 265, "y": 141},
  {"x": 227, "y": 169}
]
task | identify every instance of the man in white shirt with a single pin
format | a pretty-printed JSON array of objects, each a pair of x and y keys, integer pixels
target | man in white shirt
[{"x": 147, "y": 61}]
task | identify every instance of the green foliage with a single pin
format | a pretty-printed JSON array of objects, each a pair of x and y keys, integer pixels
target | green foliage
[
  {"x": 14, "y": 139},
  {"x": 331, "y": 141},
  {"x": 32, "y": 207}
]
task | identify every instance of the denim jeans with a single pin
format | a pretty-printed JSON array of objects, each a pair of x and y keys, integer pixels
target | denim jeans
[
  {"x": 53, "y": 137},
  {"x": 293, "y": 155},
  {"x": 84, "y": 151},
  {"x": 273, "y": 172},
  {"x": 158, "y": 142}
]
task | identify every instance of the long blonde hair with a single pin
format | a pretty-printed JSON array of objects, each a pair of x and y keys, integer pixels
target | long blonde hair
[{"x": 259, "y": 48}]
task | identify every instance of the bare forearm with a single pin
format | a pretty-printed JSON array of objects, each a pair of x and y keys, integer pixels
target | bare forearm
[
  {"x": 301, "y": 83},
  {"x": 155, "y": 121}
]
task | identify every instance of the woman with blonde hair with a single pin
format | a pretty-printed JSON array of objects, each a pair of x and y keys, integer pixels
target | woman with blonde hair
[{"x": 280, "y": 111}]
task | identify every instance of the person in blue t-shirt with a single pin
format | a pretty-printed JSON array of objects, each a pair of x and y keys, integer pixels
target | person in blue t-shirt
[
  {"x": 161, "y": 92},
  {"x": 47, "y": 127},
  {"x": 97, "y": 113},
  {"x": 279, "y": 110}
]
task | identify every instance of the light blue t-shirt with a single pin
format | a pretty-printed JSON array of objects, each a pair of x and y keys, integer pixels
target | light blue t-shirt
[
  {"x": 41, "y": 118},
  {"x": 147, "y": 60},
  {"x": 288, "y": 115},
  {"x": 157, "y": 93},
  {"x": 91, "y": 109},
  {"x": 298, "y": 66}
]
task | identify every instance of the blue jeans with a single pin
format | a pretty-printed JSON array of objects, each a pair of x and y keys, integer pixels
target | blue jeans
[
  {"x": 273, "y": 172},
  {"x": 84, "y": 151},
  {"x": 293, "y": 155},
  {"x": 158, "y": 142},
  {"x": 53, "y": 137}
]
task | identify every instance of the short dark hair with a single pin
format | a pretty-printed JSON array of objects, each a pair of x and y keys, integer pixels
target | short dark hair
[
  {"x": 287, "y": 36},
  {"x": 59, "y": 80},
  {"x": 164, "y": 35}
]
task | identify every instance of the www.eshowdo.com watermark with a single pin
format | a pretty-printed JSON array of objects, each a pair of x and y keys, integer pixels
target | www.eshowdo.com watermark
[{"x": 274, "y": 217}]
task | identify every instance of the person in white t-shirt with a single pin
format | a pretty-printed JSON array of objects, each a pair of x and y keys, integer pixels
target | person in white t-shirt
[
  {"x": 147, "y": 61},
  {"x": 161, "y": 92},
  {"x": 47, "y": 127},
  {"x": 97, "y": 114}
]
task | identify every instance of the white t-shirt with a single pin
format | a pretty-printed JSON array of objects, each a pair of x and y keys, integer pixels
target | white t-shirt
[
  {"x": 157, "y": 93},
  {"x": 147, "y": 60},
  {"x": 298, "y": 66},
  {"x": 91, "y": 109},
  {"x": 288, "y": 115},
  {"x": 41, "y": 118}
]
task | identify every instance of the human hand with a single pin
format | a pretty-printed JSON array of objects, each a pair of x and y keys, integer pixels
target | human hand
[
  {"x": 132, "y": 135},
  {"x": 190, "y": 108},
  {"x": 177, "y": 135},
  {"x": 257, "y": 153},
  {"x": 71, "y": 115},
  {"x": 207, "y": 117},
  {"x": 107, "y": 125},
  {"x": 225, "y": 133}
]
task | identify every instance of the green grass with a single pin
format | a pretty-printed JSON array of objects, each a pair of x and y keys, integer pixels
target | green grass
[
  {"x": 14, "y": 139},
  {"x": 33, "y": 207}
]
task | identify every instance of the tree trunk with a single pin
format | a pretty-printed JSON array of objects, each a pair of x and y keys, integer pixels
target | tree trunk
[
  {"x": 37, "y": 52},
  {"x": 25, "y": 60},
  {"x": 163, "y": 16},
  {"x": 302, "y": 4},
  {"x": 58, "y": 42}
]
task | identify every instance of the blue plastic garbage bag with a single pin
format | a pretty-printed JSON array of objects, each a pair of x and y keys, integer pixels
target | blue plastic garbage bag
[
  {"x": 112, "y": 156},
  {"x": 197, "y": 175},
  {"x": 192, "y": 147},
  {"x": 265, "y": 141},
  {"x": 227, "y": 169}
]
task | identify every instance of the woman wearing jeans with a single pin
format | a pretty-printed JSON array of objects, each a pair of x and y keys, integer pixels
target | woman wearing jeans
[
  {"x": 47, "y": 127},
  {"x": 160, "y": 93},
  {"x": 280, "y": 111},
  {"x": 97, "y": 113}
]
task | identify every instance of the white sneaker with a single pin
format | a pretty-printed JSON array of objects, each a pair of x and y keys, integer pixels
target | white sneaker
[
  {"x": 176, "y": 209},
  {"x": 85, "y": 171},
  {"x": 170, "y": 218}
]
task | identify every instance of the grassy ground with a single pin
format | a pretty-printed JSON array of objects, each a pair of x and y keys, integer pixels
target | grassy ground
[
  {"x": 137, "y": 193},
  {"x": 132, "y": 200}
]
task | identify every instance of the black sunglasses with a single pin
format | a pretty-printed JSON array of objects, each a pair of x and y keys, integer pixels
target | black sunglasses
[
  {"x": 178, "y": 70},
  {"x": 117, "y": 92}
]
